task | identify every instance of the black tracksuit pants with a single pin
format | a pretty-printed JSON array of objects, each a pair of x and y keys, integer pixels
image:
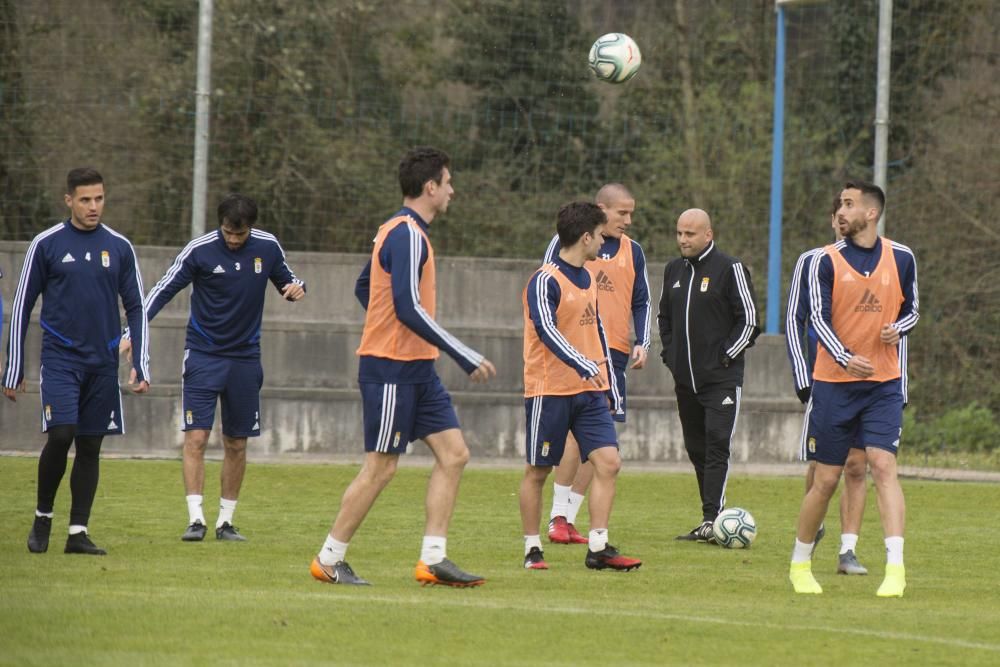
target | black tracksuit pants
[{"x": 708, "y": 420}]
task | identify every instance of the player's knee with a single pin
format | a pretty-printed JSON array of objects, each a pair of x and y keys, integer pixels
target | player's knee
[
  {"x": 883, "y": 467},
  {"x": 606, "y": 462},
  {"x": 234, "y": 445},
  {"x": 457, "y": 457},
  {"x": 855, "y": 470},
  {"x": 60, "y": 437}
]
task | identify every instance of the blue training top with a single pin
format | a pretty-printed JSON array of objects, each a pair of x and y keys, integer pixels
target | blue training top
[
  {"x": 82, "y": 274},
  {"x": 227, "y": 298}
]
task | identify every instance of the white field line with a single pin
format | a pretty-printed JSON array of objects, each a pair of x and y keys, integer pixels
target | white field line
[{"x": 362, "y": 596}]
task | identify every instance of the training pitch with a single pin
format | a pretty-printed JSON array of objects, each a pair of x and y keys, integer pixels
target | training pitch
[{"x": 157, "y": 601}]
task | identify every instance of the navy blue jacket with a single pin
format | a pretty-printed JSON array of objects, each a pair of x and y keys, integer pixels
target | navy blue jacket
[
  {"x": 81, "y": 274},
  {"x": 227, "y": 300}
]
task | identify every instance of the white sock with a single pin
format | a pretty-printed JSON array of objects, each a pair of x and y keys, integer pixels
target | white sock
[
  {"x": 332, "y": 551},
  {"x": 802, "y": 553},
  {"x": 73, "y": 530},
  {"x": 48, "y": 514},
  {"x": 226, "y": 509},
  {"x": 598, "y": 539},
  {"x": 894, "y": 550},
  {"x": 195, "y": 514},
  {"x": 575, "y": 503},
  {"x": 433, "y": 550},
  {"x": 560, "y": 500},
  {"x": 532, "y": 541},
  {"x": 848, "y": 542}
]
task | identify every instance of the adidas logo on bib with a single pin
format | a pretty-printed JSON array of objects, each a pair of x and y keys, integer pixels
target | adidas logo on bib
[{"x": 218, "y": 269}]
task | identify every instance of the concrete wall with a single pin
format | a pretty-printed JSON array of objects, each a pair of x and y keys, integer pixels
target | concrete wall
[{"x": 310, "y": 403}]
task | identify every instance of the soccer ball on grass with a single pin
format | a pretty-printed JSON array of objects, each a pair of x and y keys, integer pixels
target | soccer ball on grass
[
  {"x": 734, "y": 528},
  {"x": 615, "y": 58}
]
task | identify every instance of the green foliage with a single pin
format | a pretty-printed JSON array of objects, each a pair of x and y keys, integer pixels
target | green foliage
[
  {"x": 154, "y": 600},
  {"x": 972, "y": 428}
]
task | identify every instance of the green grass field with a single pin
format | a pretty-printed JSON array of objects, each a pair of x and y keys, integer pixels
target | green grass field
[{"x": 155, "y": 600}]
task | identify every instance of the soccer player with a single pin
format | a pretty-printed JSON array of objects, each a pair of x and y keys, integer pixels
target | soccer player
[
  {"x": 229, "y": 269},
  {"x": 863, "y": 298},
  {"x": 402, "y": 397},
  {"x": 623, "y": 295},
  {"x": 81, "y": 268},
  {"x": 567, "y": 378},
  {"x": 797, "y": 330},
  {"x": 707, "y": 320}
]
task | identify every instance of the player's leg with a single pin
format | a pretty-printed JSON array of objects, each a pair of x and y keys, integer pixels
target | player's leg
[
  {"x": 595, "y": 431},
  {"x": 436, "y": 423},
  {"x": 810, "y": 467},
  {"x": 388, "y": 412},
  {"x": 376, "y": 472},
  {"x": 546, "y": 425},
  {"x": 881, "y": 428},
  {"x": 852, "y": 508},
  {"x": 83, "y": 482},
  {"x": 830, "y": 434},
  {"x": 584, "y": 476},
  {"x": 234, "y": 464},
  {"x": 562, "y": 488},
  {"x": 203, "y": 379},
  {"x": 100, "y": 414},
  {"x": 722, "y": 409},
  {"x": 692, "y": 416},
  {"x": 240, "y": 401},
  {"x": 530, "y": 503},
  {"x": 60, "y": 395},
  {"x": 892, "y": 508},
  {"x": 330, "y": 565},
  {"x": 450, "y": 456}
]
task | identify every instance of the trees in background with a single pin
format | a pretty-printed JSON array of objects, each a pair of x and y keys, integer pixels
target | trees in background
[{"x": 313, "y": 103}]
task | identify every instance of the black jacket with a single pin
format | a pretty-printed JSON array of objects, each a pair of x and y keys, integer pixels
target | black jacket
[{"x": 707, "y": 319}]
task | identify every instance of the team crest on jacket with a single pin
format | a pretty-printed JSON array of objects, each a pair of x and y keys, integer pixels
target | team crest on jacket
[
  {"x": 105, "y": 259},
  {"x": 48, "y": 413},
  {"x": 258, "y": 264},
  {"x": 704, "y": 284}
]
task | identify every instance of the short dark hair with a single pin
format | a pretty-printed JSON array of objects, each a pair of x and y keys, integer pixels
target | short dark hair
[
  {"x": 868, "y": 190},
  {"x": 419, "y": 165},
  {"x": 836, "y": 204},
  {"x": 238, "y": 210},
  {"x": 82, "y": 176},
  {"x": 576, "y": 219}
]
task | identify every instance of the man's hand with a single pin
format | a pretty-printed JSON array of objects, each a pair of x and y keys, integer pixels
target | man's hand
[
  {"x": 137, "y": 387},
  {"x": 638, "y": 357},
  {"x": 484, "y": 371},
  {"x": 889, "y": 334},
  {"x": 860, "y": 367},
  {"x": 125, "y": 347},
  {"x": 293, "y": 291},
  {"x": 11, "y": 392},
  {"x": 804, "y": 394}
]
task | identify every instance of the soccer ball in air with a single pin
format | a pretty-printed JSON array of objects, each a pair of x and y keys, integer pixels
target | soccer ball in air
[
  {"x": 615, "y": 58},
  {"x": 734, "y": 528}
]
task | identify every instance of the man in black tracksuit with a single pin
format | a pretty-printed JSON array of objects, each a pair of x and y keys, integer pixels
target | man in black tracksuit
[{"x": 707, "y": 319}]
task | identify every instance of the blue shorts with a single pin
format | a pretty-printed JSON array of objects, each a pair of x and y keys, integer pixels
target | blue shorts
[
  {"x": 93, "y": 403},
  {"x": 804, "y": 438},
  {"x": 207, "y": 378},
  {"x": 549, "y": 418},
  {"x": 845, "y": 414},
  {"x": 619, "y": 363},
  {"x": 397, "y": 414}
]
